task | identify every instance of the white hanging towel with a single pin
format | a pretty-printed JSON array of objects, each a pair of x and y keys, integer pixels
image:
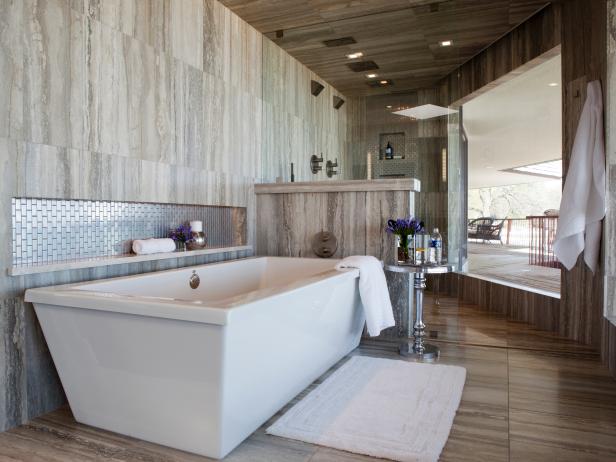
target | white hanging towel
[
  {"x": 582, "y": 206},
  {"x": 373, "y": 292}
]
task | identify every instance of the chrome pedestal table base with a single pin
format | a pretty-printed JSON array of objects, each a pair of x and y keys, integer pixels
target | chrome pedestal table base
[{"x": 417, "y": 280}]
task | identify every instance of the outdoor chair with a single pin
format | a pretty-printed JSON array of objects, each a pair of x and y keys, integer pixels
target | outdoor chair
[
  {"x": 475, "y": 226},
  {"x": 485, "y": 229}
]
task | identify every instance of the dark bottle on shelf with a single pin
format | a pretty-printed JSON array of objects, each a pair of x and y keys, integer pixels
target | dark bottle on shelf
[{"x": 389, "y": 151}]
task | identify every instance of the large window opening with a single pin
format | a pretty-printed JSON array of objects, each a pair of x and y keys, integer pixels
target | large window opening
[{"x": 514, "y": 178}]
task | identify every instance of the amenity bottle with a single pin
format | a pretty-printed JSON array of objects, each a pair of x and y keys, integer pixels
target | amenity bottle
[
  {"x": 389, "y": 151},
  {"x": 436, "y": 247}
]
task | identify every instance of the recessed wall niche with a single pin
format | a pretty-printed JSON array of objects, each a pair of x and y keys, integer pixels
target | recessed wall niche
[
  {"x": 47, "y": 231},
  {"x": 396, "y": 140},
  {"x": 404, "y": 163}
]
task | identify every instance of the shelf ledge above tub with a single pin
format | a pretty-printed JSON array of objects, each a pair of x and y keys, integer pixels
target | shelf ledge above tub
[
  {"x": 398, "y": 184},
  {"x": 119, "y": 260}
]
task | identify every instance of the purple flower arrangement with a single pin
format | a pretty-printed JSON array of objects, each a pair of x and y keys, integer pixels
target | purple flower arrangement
[
  {"x": 404, "y": 227},
  {"x": 182, "y": 233}
]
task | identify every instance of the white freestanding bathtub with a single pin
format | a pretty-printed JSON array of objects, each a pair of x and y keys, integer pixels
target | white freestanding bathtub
[{"x": 198, "y": 369}]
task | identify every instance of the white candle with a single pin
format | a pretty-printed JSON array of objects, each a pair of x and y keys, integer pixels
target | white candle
[{"x": 196, "y": 226}]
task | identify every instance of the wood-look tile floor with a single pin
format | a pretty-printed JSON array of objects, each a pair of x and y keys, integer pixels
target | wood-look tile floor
[
  {"x": 510, "y": 264},
  {"x": 529, "y": 396}
]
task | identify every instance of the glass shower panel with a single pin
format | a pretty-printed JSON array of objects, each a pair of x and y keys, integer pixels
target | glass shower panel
[
  {"x": 457, "y": 181},
  {"x": 384, "y": 144}
]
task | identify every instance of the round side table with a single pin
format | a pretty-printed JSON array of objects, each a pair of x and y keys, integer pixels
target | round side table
[{"x": 417, "y": 279}]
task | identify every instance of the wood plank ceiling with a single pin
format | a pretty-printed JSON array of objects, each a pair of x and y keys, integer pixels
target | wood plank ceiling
[{"x": 402, "y": 36}]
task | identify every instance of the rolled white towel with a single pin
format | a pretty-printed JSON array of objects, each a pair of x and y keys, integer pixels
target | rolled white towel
[{"x": 147, "y": 246}]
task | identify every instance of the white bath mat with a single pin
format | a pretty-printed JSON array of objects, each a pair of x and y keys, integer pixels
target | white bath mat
[{"x": 379, "y": 407}]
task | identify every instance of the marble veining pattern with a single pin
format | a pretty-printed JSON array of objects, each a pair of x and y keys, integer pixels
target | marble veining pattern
[
  {"x": 141, "y": 99},
  {"x": 297, "y": 124},
  {"x": 11, "y": 69}
]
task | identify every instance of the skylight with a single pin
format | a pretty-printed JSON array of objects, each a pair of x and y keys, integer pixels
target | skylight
[{"x": 549, "y": 169}]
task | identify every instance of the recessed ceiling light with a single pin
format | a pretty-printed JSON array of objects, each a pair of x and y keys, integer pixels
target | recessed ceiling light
[
  {"x": 552, "y": 84},
  {"x": 371, "y": 76},
  {"x": 446, "y": 43},
  {"x": 380, "y": 83},
  {"x": 355, "y": 55},
  {"x": 389, "y": 106}
]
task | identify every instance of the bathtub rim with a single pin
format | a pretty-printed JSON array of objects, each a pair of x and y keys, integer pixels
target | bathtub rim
[{"x": 69, "y": 296}]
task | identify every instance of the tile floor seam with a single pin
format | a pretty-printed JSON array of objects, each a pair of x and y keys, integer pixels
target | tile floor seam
[
  {"x": 508, "y": 401},
  {"x": 583, "y": 355}
]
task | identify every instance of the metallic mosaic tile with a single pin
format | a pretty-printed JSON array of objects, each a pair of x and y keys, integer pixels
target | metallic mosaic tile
[
  {"x": 55, "y": 230},
  {"x": 393, "y": 168}
]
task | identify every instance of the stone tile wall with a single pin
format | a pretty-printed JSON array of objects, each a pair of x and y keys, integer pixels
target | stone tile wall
[{"x": 127, "y": 100}]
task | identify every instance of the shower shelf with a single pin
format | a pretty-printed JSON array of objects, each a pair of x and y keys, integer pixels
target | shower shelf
[{"x": 119, "y": 260}]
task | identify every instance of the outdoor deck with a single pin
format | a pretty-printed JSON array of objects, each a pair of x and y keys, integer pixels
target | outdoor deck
[{"x": 510, "y": 264}]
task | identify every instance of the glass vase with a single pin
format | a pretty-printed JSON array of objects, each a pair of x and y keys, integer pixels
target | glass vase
[
  {"x": 403, "y": 244},
  {"x": 180, "y": 246}
]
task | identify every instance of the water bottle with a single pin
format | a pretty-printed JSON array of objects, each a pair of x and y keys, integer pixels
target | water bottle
[
  {"x": 436, "y": 247},
  {"x": 420, "y": 247}
]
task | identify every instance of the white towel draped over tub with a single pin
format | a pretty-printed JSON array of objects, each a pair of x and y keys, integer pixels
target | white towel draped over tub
[
  {"x": 582, "y": 206},
  {"x": 373, "y": 292}
]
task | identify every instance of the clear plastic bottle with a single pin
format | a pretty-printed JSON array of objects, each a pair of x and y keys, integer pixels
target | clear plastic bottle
[
  {"x": 420, "y": 247},
  {"x": 436, "y": 247}
]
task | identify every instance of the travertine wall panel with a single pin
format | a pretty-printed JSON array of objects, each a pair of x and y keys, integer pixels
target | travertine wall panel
[
  {"x": 287, "y": 223},
  {"x": 297, "y": 124},
  {"x": 132, "y": 100}
]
